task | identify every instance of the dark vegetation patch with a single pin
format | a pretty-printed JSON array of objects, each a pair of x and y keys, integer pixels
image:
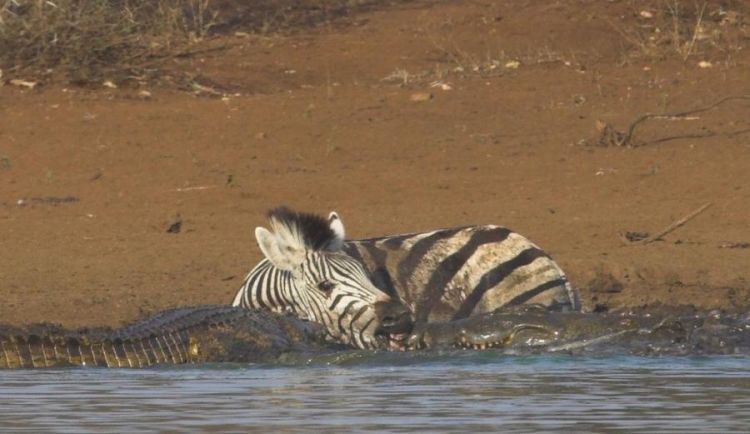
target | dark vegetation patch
[{"x": 84, "y": 41}]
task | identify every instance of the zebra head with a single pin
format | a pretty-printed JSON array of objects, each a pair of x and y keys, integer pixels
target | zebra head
[{"x": 327, "y": 285}]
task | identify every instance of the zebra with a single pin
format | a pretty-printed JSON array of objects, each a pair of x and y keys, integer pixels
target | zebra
[
  {"x": 440, "y": 275},
  {"x": 309, "y": 276}
]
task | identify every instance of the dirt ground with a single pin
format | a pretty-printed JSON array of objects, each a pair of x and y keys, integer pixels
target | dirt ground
[{"x": 407, "y": 117}]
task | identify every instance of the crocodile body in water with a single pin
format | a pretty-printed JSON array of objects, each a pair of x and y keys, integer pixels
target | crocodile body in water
[
  {"x": 227, "y": 334},
  {"x": 656, "y": 331},
  {"x": 182, "y": 335}
]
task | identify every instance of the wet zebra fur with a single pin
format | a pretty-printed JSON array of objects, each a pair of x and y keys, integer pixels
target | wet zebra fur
[{"x": 445, "y": 274}]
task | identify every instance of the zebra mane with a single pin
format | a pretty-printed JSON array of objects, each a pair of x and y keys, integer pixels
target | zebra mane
[{"x": 303, "y": 229}]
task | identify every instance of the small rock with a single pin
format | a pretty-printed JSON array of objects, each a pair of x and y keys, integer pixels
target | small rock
[
  {"x": 442, "y": 85},
  {"x": 513, "y": 64},
  {"x": 175, "y": 227},
  {"x": 144, "y": 94},
  {"x": 646, "y": 14},
  {"x": 705, "y": 64},
  {"x": 420, "y": 97},
  {"x": 109, "y": 84}
]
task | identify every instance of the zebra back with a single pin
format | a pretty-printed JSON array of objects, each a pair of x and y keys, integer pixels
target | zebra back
[{"x": 450, "y": 274}]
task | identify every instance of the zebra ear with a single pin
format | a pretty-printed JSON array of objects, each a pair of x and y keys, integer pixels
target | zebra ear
[
  {"x": 337, "y": 226},
  {"x": 281, "y": 255}
]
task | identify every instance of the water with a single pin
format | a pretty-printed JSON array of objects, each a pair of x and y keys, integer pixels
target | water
[{"x": 359, "y": 392}]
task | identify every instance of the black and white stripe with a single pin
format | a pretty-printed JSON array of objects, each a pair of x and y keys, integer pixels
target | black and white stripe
[
  {"x": 441, "y": 275},
  {"x": 450, "y": 274},
  {"x": 305, "y": 273}
]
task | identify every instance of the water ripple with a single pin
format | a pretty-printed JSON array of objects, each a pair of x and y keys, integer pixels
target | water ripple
[{"x": 390, "y": 393}]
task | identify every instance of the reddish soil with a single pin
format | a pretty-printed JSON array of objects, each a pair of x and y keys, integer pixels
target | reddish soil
[{"x": 311, "y": 121}]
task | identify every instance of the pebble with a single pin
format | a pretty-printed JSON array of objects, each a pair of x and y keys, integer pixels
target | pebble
[{"x": 420, "y": 97}]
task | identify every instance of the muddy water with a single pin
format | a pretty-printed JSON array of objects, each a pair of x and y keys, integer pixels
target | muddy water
[{"x": 359, "y": 392}]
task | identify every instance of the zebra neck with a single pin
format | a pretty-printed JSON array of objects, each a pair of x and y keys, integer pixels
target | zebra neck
[{"x": 279, "y": 292}]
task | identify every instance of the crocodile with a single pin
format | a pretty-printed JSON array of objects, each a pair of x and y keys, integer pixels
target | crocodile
[
  {"x": 176, "y": 336},
  {"x": 206, "y": 334},
  {"x": 664, "y": 330}
]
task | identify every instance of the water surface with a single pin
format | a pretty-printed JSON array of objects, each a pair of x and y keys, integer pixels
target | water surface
[{"x": 362, "y": 392}]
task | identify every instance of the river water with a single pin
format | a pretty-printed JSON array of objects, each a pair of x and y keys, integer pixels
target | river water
[{"x": 447, "y": 392}]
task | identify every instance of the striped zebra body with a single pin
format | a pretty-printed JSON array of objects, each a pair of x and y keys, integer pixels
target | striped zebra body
[
  {"x": 446, "y": 274},
  {"x": 450, "y": 274}
]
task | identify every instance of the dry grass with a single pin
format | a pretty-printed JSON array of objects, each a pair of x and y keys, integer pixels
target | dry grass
[
  {"x": 85, "y": 39},
  {"x": 89, "y": 40},
  {"x": 686, "y": 29}
]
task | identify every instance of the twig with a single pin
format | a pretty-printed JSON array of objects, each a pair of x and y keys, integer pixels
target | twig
[
  {"x": 676, "y": 224},
  {"x": 688, "y": 48},
  {"x": 683, "y": 136},
  {"x": 197, "y": 187},
  {"x": 625, "y": 139}
]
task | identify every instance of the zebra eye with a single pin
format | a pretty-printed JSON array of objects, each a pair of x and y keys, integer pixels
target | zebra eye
[{"x": 326, "y": 286}]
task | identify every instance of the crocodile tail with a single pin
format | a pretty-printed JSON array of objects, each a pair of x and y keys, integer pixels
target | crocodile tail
[
  {"x": 34, "y": 351},
  {"x": 25, "y": 350}
]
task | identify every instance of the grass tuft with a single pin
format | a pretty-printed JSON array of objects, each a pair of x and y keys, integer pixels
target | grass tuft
[
  {"x": 90, "y": 40},
  {"x": 86, "y": 39}
]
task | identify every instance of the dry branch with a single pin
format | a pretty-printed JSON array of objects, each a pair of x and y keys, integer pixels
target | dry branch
[
  {"x": 676, "y": 224},
  {"x": 610, "y": 136}
]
